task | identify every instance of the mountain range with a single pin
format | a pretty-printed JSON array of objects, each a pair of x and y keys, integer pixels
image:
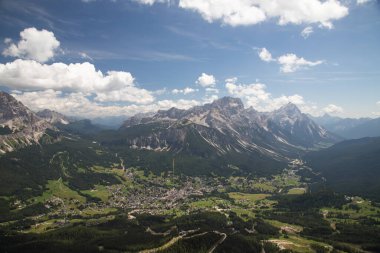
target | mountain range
[
  {"x": 220, "y": 137},
  {"x": 213, "y": 137},
  {"x": 350, "y": 128},
  {"x": 226, "y": 126}
]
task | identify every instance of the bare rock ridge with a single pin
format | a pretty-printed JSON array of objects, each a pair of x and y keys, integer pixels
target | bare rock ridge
[
  {"x": 225, "y": 125},
  {"x": 19, "y": 126},
  {"x": 53, "y": 117}
]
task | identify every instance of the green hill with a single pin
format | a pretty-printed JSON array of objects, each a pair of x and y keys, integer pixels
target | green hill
[{"x": 351, "y": 167}]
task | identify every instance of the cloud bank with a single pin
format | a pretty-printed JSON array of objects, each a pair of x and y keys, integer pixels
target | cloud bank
[{"x": 251, "y": 12}]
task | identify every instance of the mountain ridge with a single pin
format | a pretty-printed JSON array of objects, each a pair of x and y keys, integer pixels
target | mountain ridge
[
  {"x": 53, "y": 117},
  {"x": 20, "y": 126},
  {"x": 274, "y": 133},
  {"x": 350, "y": 128},
  {"x": 351, "y": 166}
]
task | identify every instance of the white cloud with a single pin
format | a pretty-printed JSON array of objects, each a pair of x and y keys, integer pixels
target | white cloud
[
  {"x": 210, "y": 98},
  {"x": 378, "y": 103},
  {"x": 234, "y": 13},
  {"x": 39, "y": 45},
  {"x": 160, "y": 91},
  {"x": 151, "y": 2},
  {"x": 307, "y": 32},
  {"x": 333, "y": 109},
  {"x": 361, "y": 2},
  {"x": 206, "y": 80},
  {"x": 77, "y": 77},
  {"x": 78, "y": 104},
  {"x": 231, "y": 80},
  {"x": 167, "y": 104},
  {"x": 265, "y": 55},
  {"x": 252, "y": 93},
  {"x": 251, "y": 12},
  {"x": 291, "y": 63},
  {"x": 259, "y": 98},
  {"x": 184, "y": 91}
]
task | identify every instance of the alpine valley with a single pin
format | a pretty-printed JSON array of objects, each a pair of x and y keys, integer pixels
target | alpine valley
[{"x": 213, "y": 178}]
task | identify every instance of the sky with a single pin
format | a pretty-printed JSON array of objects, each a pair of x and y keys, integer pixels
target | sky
[{"x": 98, "y": 58}]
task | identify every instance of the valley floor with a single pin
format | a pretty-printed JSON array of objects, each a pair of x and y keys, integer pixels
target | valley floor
[{"x": 176, "y": 213}]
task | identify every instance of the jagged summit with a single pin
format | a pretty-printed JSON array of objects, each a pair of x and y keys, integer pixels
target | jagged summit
[
  {"x": 15, "y": 115},
  {"x": 10, "y": 107},
  {"x": 289, "y": 108},
  {"x": 19, "y": 126},
  {"x": 228, "y": 103},
  {"x": 53, "y": 117}
]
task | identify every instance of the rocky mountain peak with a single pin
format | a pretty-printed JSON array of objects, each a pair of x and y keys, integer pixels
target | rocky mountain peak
[
  {"x": 172, "y": 113},
  {"x": 20, "y": 126},
  {"x": 11, "y": 108},
  {"x": 53, "y": 117},
  {"x": 289, "y": 109},
  {"x": 228, "y": 104}
]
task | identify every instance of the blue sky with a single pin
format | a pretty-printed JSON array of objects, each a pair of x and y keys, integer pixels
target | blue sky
[{"x": 187, "y": 52}]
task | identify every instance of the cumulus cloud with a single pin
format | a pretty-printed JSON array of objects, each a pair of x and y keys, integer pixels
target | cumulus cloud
[
  {"x": 289, "y": 62},
  {"x": 210, "y": 98},
  {"x": 78, "y": 104},
  {"x": 333, "y": 109},
  {"x": 378, "y": 103},
  {"x": 265, "y": 55},
  {"x": 39, "y": 45},
  {"x": 76, "y": 77},
  {"x": 206, "y": 80},
  {"x": 307, "y": 32},
  {"x": 255, "y": 95},
  {"x": 184, "y": 91},
  {"x": 234, "y": 13},
  {"x": 251, "y": 12}
]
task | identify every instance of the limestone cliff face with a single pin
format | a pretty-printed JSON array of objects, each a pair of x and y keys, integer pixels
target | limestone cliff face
[
  {"x": 225, "y": 126},
  {"x": 19, "y": 126}
]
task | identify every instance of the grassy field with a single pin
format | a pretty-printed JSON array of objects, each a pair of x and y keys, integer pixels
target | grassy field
[
  {"x": 280, "y": 224},
  {"x": 297, "y": 190},
  {"x": 57, "y": 188},
  {"x": 266, "y": 186},
  {"x": 99, "y": 191},
  {"x": 247, "y": 196},
  {"x": 357, "y": 209},
  {"x": 211, "y": 202},
  {"x": 297, "y": 244}
]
